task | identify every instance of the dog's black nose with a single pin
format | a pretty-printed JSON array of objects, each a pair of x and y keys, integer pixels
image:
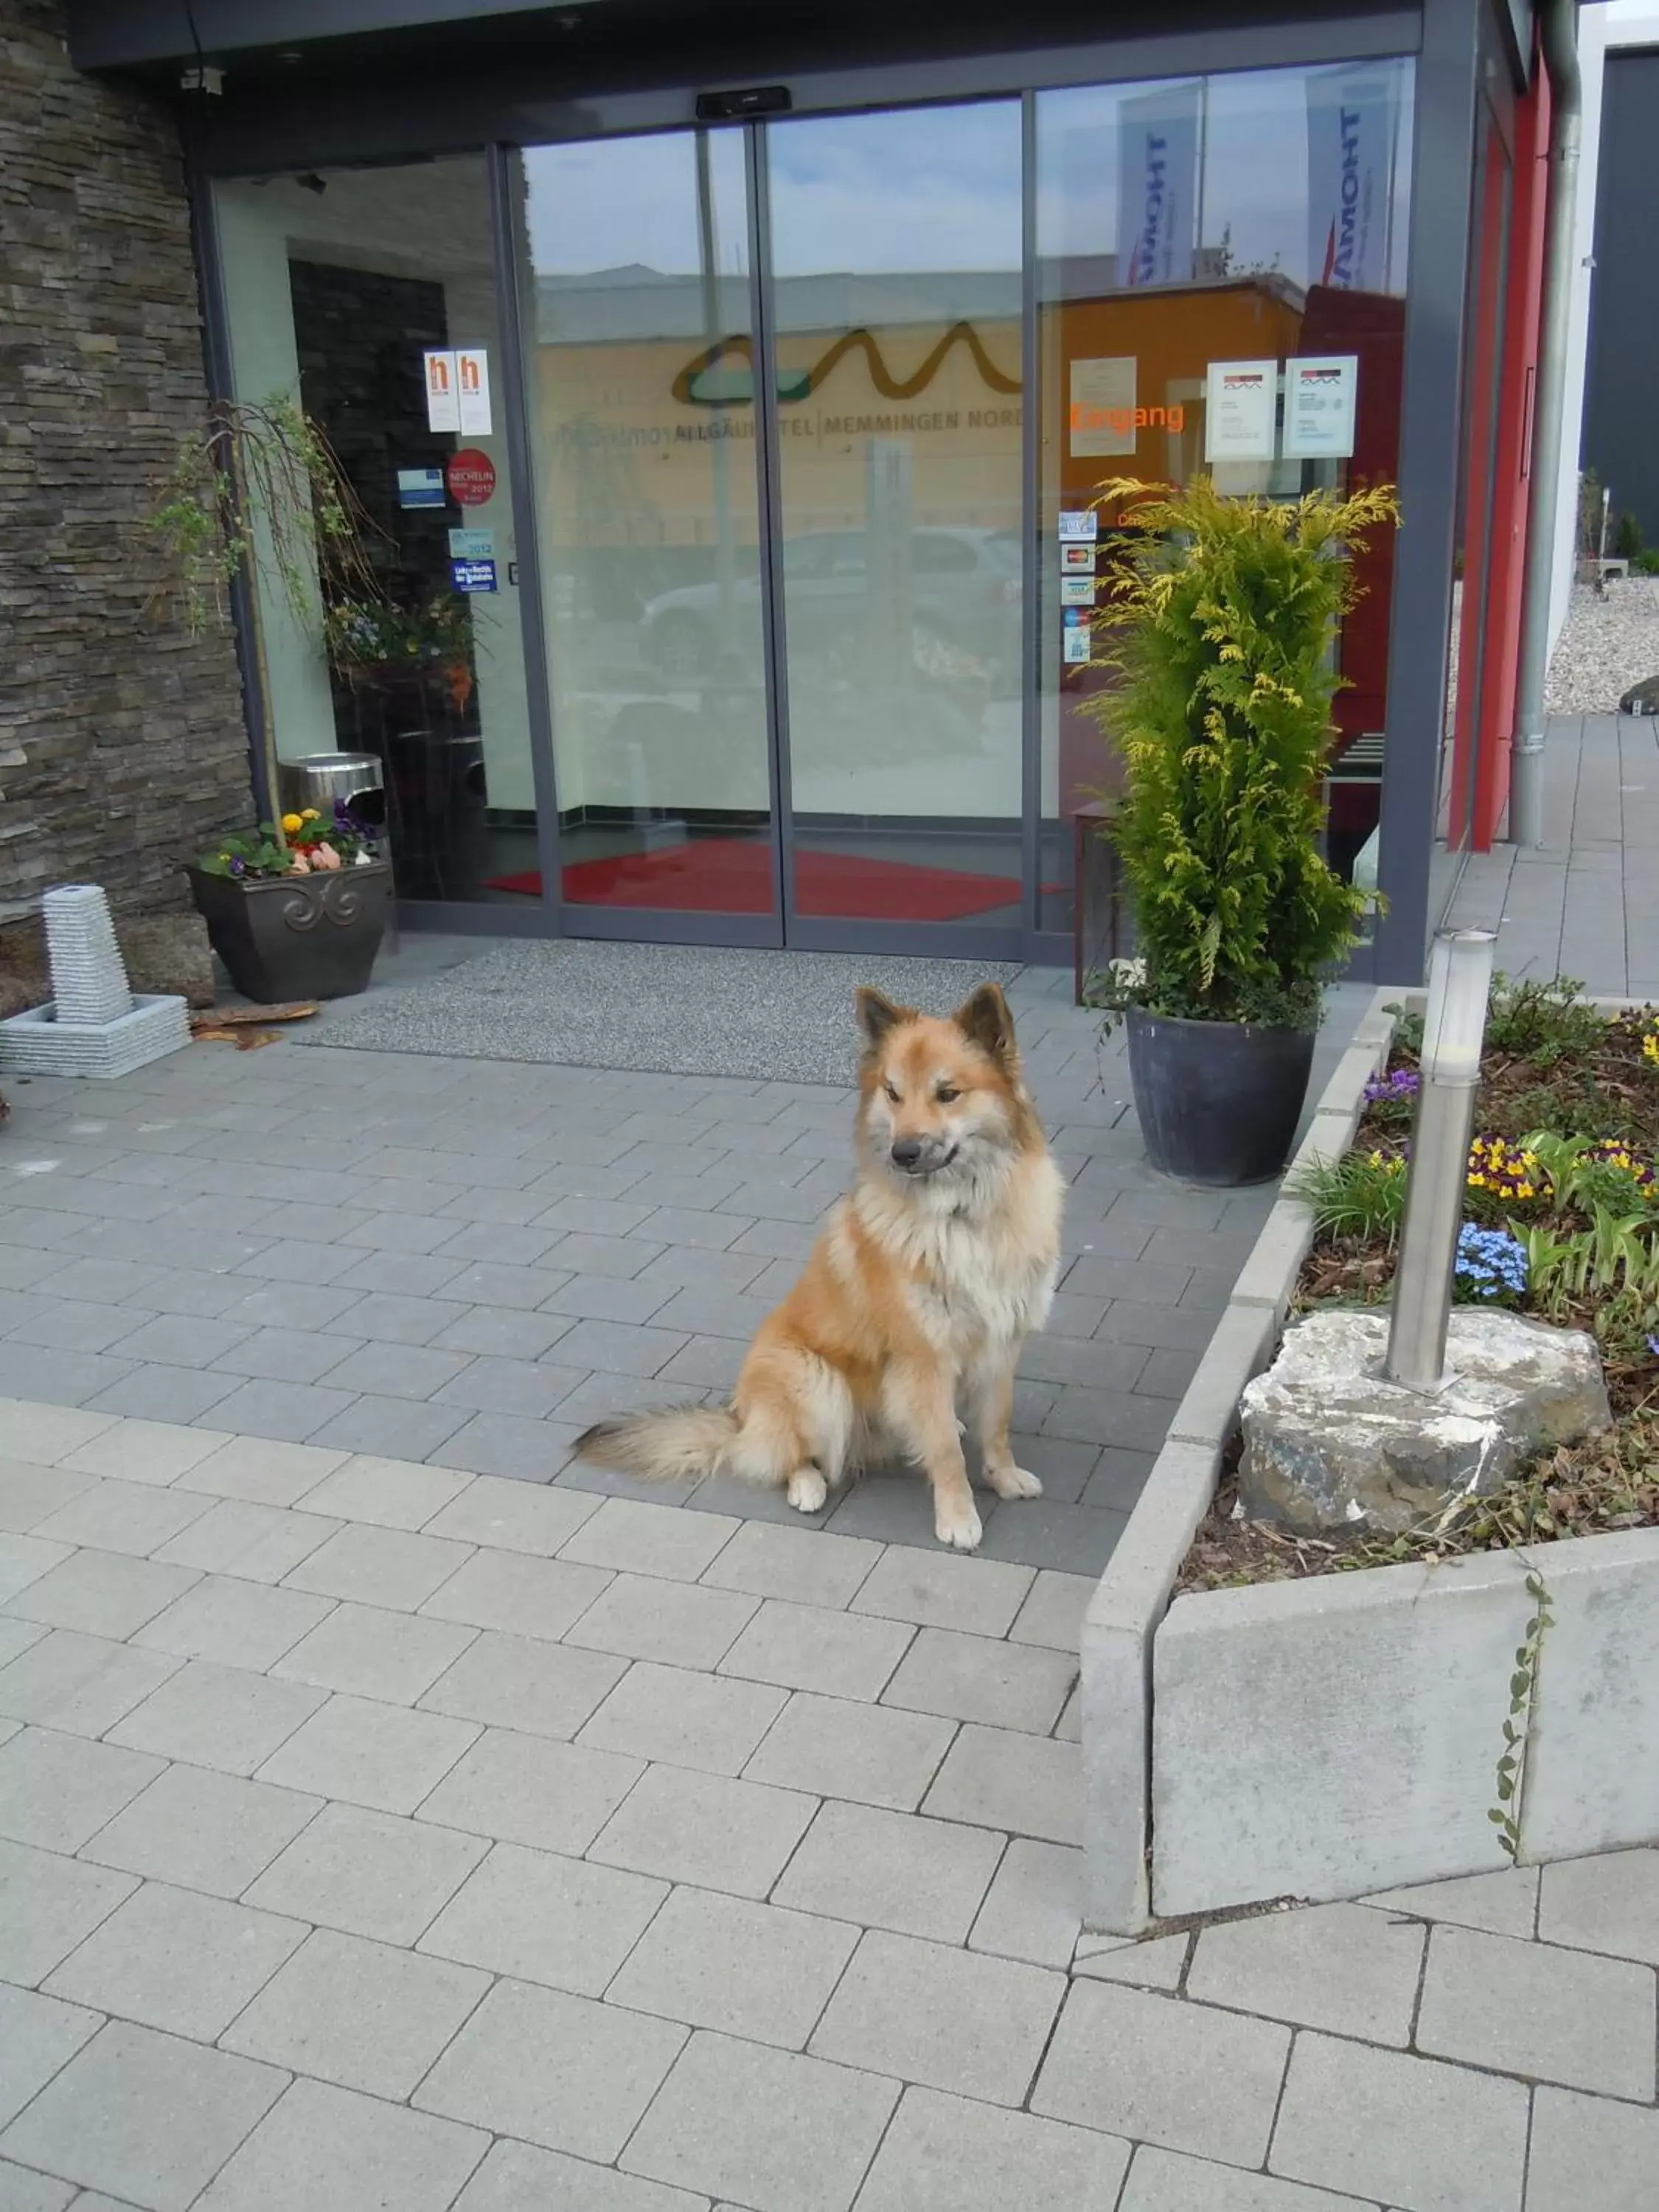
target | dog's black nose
[{"x": 907, "y": 1150}]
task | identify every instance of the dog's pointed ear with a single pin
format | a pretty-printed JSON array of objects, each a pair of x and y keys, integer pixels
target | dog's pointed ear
[
  {"x": 878, "y": 1015},
  {"x": 985, "y": 1020}
]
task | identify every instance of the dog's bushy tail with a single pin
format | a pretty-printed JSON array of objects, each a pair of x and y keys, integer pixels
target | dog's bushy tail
[{"x": 671, "y": 1446}]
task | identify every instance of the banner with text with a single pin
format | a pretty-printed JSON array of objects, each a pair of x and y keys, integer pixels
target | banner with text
[
  {"x": 1158, "y": 135},
  {"x": 1353, "y": 126}
]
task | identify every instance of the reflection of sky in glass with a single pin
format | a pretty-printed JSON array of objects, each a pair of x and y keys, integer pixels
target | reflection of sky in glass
[{"x": 936, "y": 188}]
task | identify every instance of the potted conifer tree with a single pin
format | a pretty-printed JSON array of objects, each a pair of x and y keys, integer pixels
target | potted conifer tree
[{"x": 1220, "y": 620}]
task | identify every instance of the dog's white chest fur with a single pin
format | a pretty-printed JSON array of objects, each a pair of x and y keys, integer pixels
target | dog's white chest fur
[{"x": 985, "y": 1260}]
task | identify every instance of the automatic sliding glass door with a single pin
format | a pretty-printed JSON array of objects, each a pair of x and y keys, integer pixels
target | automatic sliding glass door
[
  {"x": 894, "y": 277},
  {"x": 641, "y": 383}
]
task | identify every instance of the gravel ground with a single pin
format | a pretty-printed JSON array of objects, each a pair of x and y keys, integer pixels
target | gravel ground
[{"x": 1606, "y": 644}]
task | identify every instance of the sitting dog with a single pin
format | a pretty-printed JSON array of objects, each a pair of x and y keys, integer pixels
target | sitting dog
[{"x": 925, "y": 1282}]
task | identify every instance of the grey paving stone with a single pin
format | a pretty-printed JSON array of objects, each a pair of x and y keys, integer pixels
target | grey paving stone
[
  {"x": 367, "y": 1873},
  {"x": 542, "y": 1917},
  {"x": 511, "y": 1516},
  {"x": 210, "y": 1832},
  {"x": 1145, "y": 1282},
  {"x": 587, "y": 1252},
  {"x": 58, "y": 1790},
  {"x": 411, "y": 1275},
  {"x": 31, "y": 1492},
  {"x": 1159, "y": 2071},
  {"x": 390, "y": 1494},
  {"x": 650, "y": 1540},
  {"x": 396, "y": 1369},
  {"x": 1043, "y": 1533},
  {"x": 393, "y": 1428},
  {"x": 287, "y": 1412},
  {"x": 291, "y": 1261},
  {"x": 678, "y": 1623},
  {"x": 132, "y": 1518},
  {"x": 1406, "y": 2131},
  {"x": 731, "y": 1964},
  {"x": 605, "y": 1298},
  {"x": 1120, "y": 1477},
  {"x": 982, "y": 1678},
  {"x": 620, "y": 1348},
  {"x": 1335, "y": 1966},
  {"x": 58, "y": 1378},
  {"x": 174, "y": 1960},
  {"x": 517, "y": 1592},
  {"x": 1590, "y": 2155},
  {"x": 1101, "y": 1416},
  {"x": 517, "y": 2178},
  {"x": 837, "y": 1748},
  {"x": 930, "y": 2013},
  {"x": 763, "y": 2127},
  {"x": 220, "y": 1716},
  {"x": 1034, "y": 1907},
  {"x": 182, "y": 1341},
  {"x": 22, "y": 2191},
  {"x": 526, "y": 1683},
  {"x": 689, "y": 1719},
  {"x": 72, "y": 1324},
  {"x": 393, "y": 1656},
  {"x": 890, "y": 1870},
  {"x": 301, "y": 1306},
  {"x": 808, "y": 1647},
  {"x": 44, "y": 1435},
  {"x": 603, "y": 1216},
  {"x": 936, "y": 1590},
  {"x": 363, "y": 2015},
  {"x": 81, "y": 1684},
  {"x": 1164, "y": 2181},
  {"x": 528, "y": 1388},
  {"x": 144, "y": 2114},
  {"x": 533, "y": 1790},
  {"x": 503, "y": 1332},
  {"x": 391, "y": 1567},
  {"x": 254, "y": 1543},
  {"x": 395, "y": 1317},
  {"x": 995, "y": 1778},
  {"x": 1533, "y": 2009},
  {"x": 1094, "y": 1362},
  {"x": 1062, "y": 1466},
  {"x": 38, "y": 2034},
  {"x": 262, "y": 1470},
  {"x": 514, "y": 1446},
  {"x": 1609, "y": 1903},
  {"x": 803, "y": 1566},
  {"x": 705, "y": 1829},
  {"x": 333, "y": 2151},
  {"x": 893, "y": 1507},
  {"x": 49, "y": 1904},
  {"x": 1051, "y": 1615},
  {"x": 555, "y": 2070},
  {"x": 370, "y": 1754},
  {"x": 948, "y": 2155}
]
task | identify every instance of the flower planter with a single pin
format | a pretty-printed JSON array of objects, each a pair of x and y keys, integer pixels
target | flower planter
[
  {"x": 1217, "y": 1101},
  {"x": 1340, "y": 1736},
  {"x": 296, "y": 936}
]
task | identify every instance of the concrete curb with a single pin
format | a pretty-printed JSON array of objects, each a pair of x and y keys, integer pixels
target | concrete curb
[{"x": 1133, "y": 1594}]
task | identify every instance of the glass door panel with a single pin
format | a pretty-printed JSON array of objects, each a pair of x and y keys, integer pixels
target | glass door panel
[
  {"x": 640, "y": 390},
  {"x": 896, "y": 248}
]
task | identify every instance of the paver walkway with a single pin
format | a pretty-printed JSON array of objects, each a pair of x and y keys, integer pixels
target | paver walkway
[
  {"x": 1586, "y": 904},
  {"x": 378, "y": 1834}
]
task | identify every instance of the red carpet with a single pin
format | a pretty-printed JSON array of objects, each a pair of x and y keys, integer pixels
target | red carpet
[{"x": 733, "y": 875}]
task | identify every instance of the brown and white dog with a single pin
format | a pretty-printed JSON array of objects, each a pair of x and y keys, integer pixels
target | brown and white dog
[{"x": 925, "y": 1282}]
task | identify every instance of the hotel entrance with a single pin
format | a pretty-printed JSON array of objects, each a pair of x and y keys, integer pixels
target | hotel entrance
[{"x": 746, "y": 594}]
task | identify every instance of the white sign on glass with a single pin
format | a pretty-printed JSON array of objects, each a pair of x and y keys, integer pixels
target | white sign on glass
[
  {"x": 1241, "y": 406},
  {"x": 443, "y": 399},
  {"x": 1321, "y": 392},
  {"x": 1102, "y": 420},
  {"x": 473, "y": 388}
]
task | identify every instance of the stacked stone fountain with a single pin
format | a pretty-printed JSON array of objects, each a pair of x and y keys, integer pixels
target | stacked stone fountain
[{"x": 92, "y": 1024}]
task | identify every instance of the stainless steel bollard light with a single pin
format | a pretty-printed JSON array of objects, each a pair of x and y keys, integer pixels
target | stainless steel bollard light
[{"x": 1460, "y": 980}]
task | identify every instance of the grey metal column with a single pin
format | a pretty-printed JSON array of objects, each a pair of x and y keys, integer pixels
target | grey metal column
[
  {"x": 773, "y": 656},
  {"x": 1430, "y": 446},
  {"x": 1030, "y": 559}
]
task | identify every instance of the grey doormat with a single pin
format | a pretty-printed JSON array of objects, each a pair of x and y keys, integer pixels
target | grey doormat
[{"x": 661, "y": 1009}]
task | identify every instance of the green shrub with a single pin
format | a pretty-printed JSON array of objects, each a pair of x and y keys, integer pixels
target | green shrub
[
  {"x": 1220, "y": 618},
  {"x": 1361, "y": 1197}
]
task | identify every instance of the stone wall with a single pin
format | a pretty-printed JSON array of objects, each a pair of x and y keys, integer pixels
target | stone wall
[{"x": 122, "y": 744}]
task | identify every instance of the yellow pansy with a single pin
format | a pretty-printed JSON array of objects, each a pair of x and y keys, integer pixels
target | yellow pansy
[{"x": 291, "y": 823}]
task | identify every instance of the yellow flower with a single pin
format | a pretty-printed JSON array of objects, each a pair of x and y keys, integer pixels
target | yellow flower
[
  {"x": 291, "y": 824},
  {"x": 310, "y": 814}
]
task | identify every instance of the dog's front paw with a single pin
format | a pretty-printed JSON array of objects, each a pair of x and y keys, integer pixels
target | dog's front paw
[
  {"x": 807, "y": 1490},
  {"x": 1011, "y": 1481},
  {"x": 958, "y": 1525}
]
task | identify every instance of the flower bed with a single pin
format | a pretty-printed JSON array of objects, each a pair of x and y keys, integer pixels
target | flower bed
[{"x": 1562, "y": 1222}]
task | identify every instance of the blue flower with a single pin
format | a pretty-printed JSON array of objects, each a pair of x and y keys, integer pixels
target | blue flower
[
  {"x": 1653, "y": 1346},
  {"x": 1490, "y": 1263}
]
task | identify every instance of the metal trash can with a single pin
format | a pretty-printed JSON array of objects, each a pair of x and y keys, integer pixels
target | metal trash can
[{"x": 318, "y": 779}]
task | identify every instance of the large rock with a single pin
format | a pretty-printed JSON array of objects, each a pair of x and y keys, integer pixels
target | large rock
[
  {"x": 1330, "y": 1443},
  {"x": 1642, "y": 698}
]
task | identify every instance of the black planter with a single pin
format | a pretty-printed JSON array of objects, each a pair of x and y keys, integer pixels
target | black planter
[
  {"x": 296, "y": 937},
  {"x": 1219, "y": 1101}
]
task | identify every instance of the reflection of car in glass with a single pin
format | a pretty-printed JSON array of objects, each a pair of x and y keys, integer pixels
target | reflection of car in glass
[{"x": 964, "y": 587}]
